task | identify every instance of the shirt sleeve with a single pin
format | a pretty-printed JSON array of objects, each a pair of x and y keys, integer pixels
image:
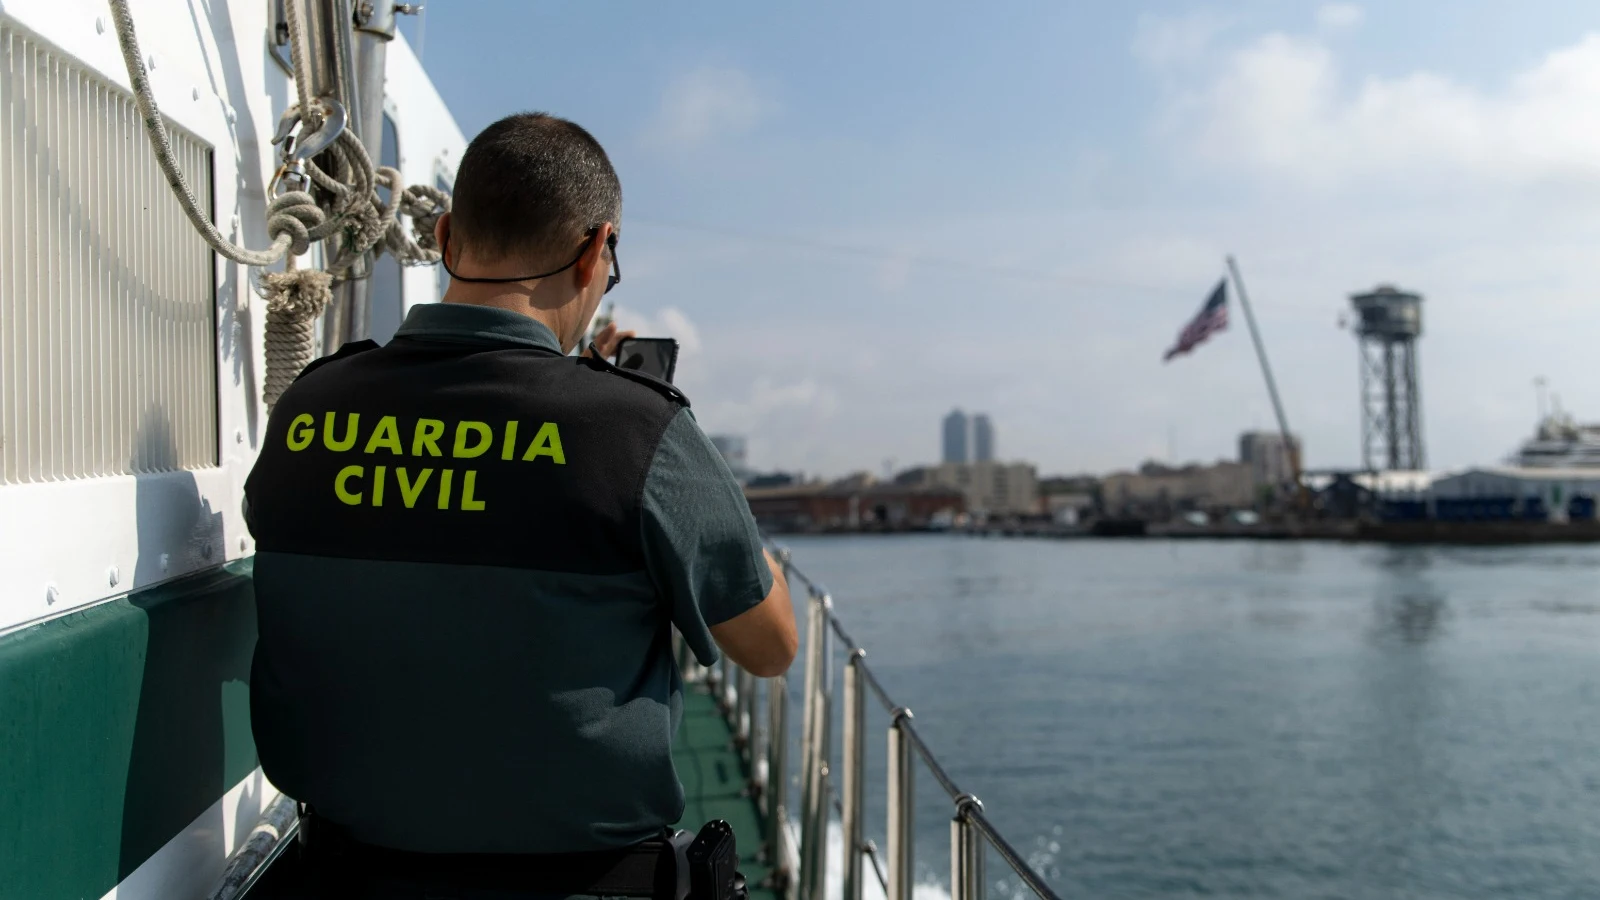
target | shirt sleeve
[{"x": 701, "y": 544}]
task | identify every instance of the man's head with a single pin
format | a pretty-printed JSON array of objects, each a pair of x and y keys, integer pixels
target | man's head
[{"x": 534, "y": 194}]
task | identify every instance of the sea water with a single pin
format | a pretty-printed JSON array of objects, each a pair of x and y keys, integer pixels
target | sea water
[{"x": 1238, "y": 719}]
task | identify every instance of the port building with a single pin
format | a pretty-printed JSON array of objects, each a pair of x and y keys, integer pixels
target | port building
[
  {"x": 1505, "y": 492},
  {"x": 990, "y": 489}
]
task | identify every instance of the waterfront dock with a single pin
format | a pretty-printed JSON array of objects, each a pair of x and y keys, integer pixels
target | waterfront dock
[
  {"x": 1346, "y": 530},
  {"x": 1375, "y": 532}
]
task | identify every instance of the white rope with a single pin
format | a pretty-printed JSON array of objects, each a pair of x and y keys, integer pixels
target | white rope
[
  {"x": 300, "y": 208},
  {"x": 424, "y": 204},
  {"x": 295, "y": 297},
  {"x": 302, "y": 71}
]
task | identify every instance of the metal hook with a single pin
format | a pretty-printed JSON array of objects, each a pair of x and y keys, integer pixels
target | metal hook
[
  {"x": 296, "y": 151},
  {"x": 309, "y": 145}
]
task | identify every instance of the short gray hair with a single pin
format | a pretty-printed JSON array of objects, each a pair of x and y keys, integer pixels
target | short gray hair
[{"x": 532, "y": 185}]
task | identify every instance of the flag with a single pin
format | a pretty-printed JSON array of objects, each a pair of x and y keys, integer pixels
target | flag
[{"x": 1213, "y": 317}]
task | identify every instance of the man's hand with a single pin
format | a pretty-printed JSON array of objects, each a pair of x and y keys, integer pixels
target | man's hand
[{"x": 608, "y": 340}]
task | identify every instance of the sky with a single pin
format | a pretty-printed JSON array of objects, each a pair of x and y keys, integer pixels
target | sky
[{"x": 858, "y": 216}]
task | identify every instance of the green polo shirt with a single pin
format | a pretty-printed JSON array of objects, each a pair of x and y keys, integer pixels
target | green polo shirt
[{"x": 472, "y": 552}]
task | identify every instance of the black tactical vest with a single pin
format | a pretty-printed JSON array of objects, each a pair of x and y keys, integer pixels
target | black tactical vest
[{"x": 461, "y": 649}]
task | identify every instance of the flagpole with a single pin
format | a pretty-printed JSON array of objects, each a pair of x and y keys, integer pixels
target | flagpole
[{"x": 1266, "y": 370}]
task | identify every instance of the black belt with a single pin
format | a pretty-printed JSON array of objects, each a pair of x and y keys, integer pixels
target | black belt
[{"x": 657, "y": 868}]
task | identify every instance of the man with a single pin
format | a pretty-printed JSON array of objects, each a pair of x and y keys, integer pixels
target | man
[{"x": 473, "y": 547}]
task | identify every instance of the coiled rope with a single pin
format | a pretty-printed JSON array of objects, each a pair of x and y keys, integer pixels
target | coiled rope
[{"x": 295, "y": 220}]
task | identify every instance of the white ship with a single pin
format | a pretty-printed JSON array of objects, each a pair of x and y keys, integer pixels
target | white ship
[
  {"x": 1561, "y": 443},
  {"x": 196, "y": 199}
]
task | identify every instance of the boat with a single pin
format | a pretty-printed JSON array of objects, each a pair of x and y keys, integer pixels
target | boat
[
  {"x": 134, "y": 359},
  {"x": 1560, "y": 443},
  {"x": 199, "y": 198}
]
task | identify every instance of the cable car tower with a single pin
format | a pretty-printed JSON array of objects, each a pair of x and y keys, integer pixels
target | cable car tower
[{"x": 1388, "y": 324}]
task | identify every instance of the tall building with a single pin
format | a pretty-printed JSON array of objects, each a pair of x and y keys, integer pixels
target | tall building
[
  {"x": 1268, "y": 457},
  {"x": 955, "y": 438},
  {"x": 982, "y": 438}
]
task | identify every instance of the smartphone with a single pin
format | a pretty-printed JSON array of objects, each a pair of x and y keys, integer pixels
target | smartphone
[{"x": 652, "y": 356}]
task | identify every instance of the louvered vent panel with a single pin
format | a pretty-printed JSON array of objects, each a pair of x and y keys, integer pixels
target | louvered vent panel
[{"x": 107, "y": 354}]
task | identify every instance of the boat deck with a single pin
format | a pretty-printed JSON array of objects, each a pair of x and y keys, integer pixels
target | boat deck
[{"x": 714, "y": 783}]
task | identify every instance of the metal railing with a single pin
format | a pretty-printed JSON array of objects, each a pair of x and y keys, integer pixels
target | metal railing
[{"x": 799, "y": 863}]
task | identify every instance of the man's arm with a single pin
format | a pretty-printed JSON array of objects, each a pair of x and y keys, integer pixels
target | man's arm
[
  {"x": 762, "y": 640},
  {"x": 705, "y": 554}
]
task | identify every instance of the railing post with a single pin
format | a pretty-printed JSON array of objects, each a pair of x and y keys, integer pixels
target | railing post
[
  {"x": 745, "y": 722},
  {"x": 901, "y": 794},
  {"x": 788, "y": 878},
  {"x": 966, "y": 851},
  {"x": 854, "y": 753},
  {"x": 824, "y": 751},
  {"x": 808, "y": 727},
  {"x": 813, "y": 804},
  {"x": 777, "y": 772},
  {"x": 759, "y": 752}
]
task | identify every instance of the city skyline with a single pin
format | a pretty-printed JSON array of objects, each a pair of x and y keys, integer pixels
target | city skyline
[{"x": 772, "y": 206}]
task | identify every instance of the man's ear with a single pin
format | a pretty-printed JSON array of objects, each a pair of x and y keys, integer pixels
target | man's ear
[
  {"x": 441, "y": 232},
  {"x": 593, "y": 261}
]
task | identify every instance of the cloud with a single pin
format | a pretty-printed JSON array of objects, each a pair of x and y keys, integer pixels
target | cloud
[
  {"x": 1281, "y": 104},
  {"x": 1162, "y": 42},
  {"x": 668, "y": 322},
  {"x": 768, "y": 405},
  {"x": 674, "y": 323},
  {"x": 1326, "y": 180},
  {"x": 1334, "y": 17},
  {"x": 707, "y": 104},
  {"x": 767, "y": 396}
]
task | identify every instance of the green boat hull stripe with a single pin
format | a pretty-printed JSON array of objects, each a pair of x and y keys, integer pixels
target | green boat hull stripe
[{"x": 122, "y": 724}]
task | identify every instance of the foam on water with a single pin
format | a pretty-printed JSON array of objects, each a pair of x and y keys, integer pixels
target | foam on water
[
  {"x": 1002, "y": 882},
  {"x": 834, "y": 876}
]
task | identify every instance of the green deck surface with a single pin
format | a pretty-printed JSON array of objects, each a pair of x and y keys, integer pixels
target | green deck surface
[{"x": 714, "y": 784}]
